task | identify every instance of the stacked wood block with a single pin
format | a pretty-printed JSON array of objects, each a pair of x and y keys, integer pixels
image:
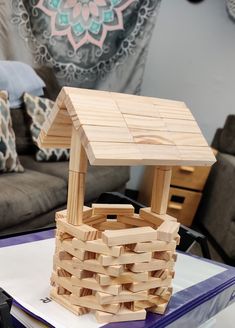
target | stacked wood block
[{"x": 115, "y": 267}]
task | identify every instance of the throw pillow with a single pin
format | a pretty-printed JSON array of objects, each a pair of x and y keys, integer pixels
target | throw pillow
[
  {"x": 38, "y": 109},
  {"x": 9, "y": 161}
]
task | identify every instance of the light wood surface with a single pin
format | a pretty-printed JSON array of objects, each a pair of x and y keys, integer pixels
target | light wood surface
[
  {"x": 117, "y": 129},
  {"x": 160, "y": 189},
  {"x": 129, "y": 236}
]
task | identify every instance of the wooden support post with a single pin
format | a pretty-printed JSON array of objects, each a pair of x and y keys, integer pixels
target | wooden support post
[
  {"x": 160, "y": 191},
  {"x": 77, "y": 174}
]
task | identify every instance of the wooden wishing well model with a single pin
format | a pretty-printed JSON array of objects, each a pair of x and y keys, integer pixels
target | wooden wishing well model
[{"x": 118, "y": 268}]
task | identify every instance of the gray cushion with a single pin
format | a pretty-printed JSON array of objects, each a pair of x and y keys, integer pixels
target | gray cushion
[
  {"x": 99, "y": 178},
  {"x": 27, "y": 195},
  {"x": 58, "y": 169},
  {"x": 21, "y": 122},
  {"x": 217, "y": 207},
  {"x": 227, "y": 136}
]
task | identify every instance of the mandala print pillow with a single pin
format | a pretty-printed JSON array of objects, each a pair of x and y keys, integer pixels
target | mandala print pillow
[
  {"x": 9, "y": 161},
  {"x": 38, "y": 109}
]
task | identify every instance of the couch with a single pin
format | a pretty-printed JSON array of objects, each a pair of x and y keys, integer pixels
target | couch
[
  {"x": 29, "y": 200},
  {"x": 216, "y": 213}
]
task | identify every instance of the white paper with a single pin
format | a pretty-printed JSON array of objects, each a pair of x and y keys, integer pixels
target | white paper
[{"x": 25, "y": 275}]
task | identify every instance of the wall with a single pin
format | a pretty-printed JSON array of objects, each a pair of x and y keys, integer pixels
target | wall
[{"x": 192, "y": 58}]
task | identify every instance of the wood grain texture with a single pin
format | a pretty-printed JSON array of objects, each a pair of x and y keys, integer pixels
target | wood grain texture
[
  {"x": 123, "y": 315},
  {"x": 160, "y": 190},
  {"x": 121, "y": 122},
  {"x": 128, "y": 236}
]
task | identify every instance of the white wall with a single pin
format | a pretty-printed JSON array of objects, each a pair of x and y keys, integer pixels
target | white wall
[{"x": 192, "y": 58}]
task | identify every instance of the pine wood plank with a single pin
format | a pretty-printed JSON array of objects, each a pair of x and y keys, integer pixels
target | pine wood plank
[
  {"x": 168, "y": 230},
  {"x": 155, "y": 137},
  {"x": 128, "y": 236},
  {"x": 64, "y": 300},
  {"x": 160, "y": 190},
  {"x": 125, "y": 278},
  {"x": 110, "y": 153},
  {"x": 125, "y": 258},
  {"x": 112, "y": 209},
  {"x": 124, "y": 296},
  {"x": 91, "y": 302},
  {"x": 91, "y": 283},
  {"x": 104, "y": 134},
  {"x": 153, "y": 246},
  {"x": 134, "y": 221},
  {"x": 95, "y": 266},
  {"x": 154, "y": 218},
  {"x": 76, "y": 191},
  {"x": 123, "y": 315},
  {"x": 137, "y": 108},
  {"x": 150, "y": 266},
  {"x": 98, "y": 246},
  {"x": 110, "y": 225},
  {"x": 151, "y": 283},
  {"x": 148, "y": 123},
  {"x": 82, "y": 232}
]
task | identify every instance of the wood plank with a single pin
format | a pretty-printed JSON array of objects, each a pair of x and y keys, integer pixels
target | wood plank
[
  {"x": 150, "y": 266},
  {"x": 64, "y": 300},
  {"x": 111, "y": 225},
  {"x": 91, "y": 302},
  {"x": 159, "y": 154},
  {"x": 125, "y": 278},
  {"x": 94, "y": 219},
  {"x": 125, "y": 258},
  {"x": 86, "y": 213},
  {"x": 68, "y": 266},
  {"x": 152, "y": 246},
  {"x": 123, "y": 315},
  {"x": 199, "y": 155},
  {"x": 174, "y": 113},
  {"x": 177, "y": 125},
  {"x": 124, "y": 296},
  {"x": 168, "y": 230},
  {"x": 91, "y": 283},
  {"x": 134, "y": 221},
  {"x": 78, "y": 159},
  {"x": 82, "y": 232},
  {"x": 155, "y": 137},
  {"x": 110, "y": 153},
  {"x": 95, "y": 266},
  {"x": 144, "y": 122},
  {"x": 98, "y": 246},
  {"x": 75, "y": 203},
  {"x": 160, "y": 190},
  {"x": 137, "y": 108},
  {"x": 154, "y": 218},
  {"x": 112, "y": 209},
  {"x": 128, "y": 236},
  {"x": 151, "y": 283},
  {"x": 160, "y": 308},
  {"x": 104, "y": 134},
  {"x": 66, "y": 245}
]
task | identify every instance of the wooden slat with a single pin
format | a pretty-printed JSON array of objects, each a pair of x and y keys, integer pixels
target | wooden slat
[
  {"x": 160, "y": 190},
  {"x": 104, "y": 153},
  {"x": 124, "y": 296},
  {"x": 98, "y": 246},
  {"x": 64, "y": 300},
  {"x": 128, "y": 236},
  {"x": 113, "y": 209},
  {"x": 123, "y": 315}
]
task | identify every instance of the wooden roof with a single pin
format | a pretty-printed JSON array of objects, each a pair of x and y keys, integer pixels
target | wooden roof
[{"x": 121, "y": 129}]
